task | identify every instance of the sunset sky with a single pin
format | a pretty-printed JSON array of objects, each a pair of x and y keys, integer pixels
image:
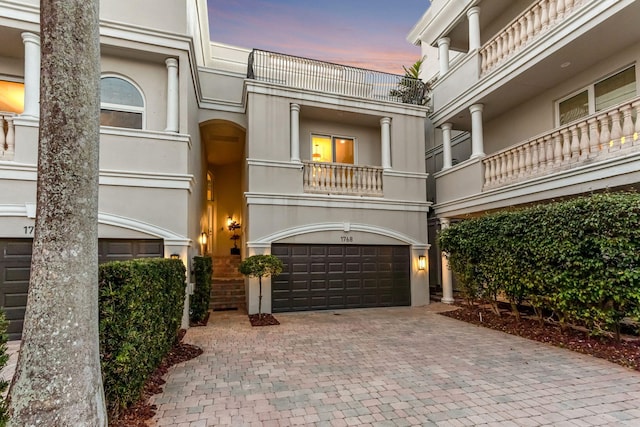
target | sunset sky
[{"x": 364, "y": 33}]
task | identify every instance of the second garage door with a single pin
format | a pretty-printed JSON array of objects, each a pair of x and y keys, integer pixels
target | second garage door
[
  {"x": 15, "y": 269},
  {"x": 321, "y": 277}
]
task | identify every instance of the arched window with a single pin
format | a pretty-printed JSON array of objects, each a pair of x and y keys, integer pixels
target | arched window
[{"x": 121, "y": 103}]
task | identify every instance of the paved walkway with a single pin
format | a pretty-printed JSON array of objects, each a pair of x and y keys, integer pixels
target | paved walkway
[{"x": 388, "y": 367}]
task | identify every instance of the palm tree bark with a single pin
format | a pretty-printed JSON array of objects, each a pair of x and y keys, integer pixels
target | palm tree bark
[{"x": 58, "y": 378}]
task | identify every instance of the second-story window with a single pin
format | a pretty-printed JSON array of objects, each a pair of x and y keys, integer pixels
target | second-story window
[
  {"x": 601, "y": 95},
  {"x": 333, "y": 149},
  {"x": 11, "y": 97},
  {"x": 121, "y": 103}
]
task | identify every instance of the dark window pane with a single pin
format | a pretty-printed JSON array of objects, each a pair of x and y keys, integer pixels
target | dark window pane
[{"x": 121, "y": 119}]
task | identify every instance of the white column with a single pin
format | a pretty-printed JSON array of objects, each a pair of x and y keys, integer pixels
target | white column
[
  {"x": 446, "y": 146},
  {"x": 443, "y": 54},
  {"x": 173, "y": 107},
  {"x": 295, "y": 132},
  {"x": 447, "y": 276},
  {"x": 385, "y": 138},
  {"x": 31, "y": 75},
  {"x": 477, "y": 140},
  {"x": 473, "y": 15}
]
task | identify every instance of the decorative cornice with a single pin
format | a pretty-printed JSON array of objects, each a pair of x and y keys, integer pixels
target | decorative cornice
[{"x": 343, "y": 101}]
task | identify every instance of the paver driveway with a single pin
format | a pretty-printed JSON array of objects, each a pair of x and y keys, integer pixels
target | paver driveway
[{"x": 388, "y": 367}]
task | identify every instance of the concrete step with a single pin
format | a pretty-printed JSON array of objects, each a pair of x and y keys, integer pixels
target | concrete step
[{"x": 227, "y": 294}]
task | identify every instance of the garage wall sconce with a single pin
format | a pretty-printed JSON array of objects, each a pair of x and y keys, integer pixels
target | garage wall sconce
[
  {"x": 174, "y": 256},
  {"x": 422, "y": 262},
  {"x": 203, "y": 238}
]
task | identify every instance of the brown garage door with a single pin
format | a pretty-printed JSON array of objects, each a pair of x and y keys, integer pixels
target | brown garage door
[
  {"x": 15, "y": 268},
  {"x": 321, "y": 277}
]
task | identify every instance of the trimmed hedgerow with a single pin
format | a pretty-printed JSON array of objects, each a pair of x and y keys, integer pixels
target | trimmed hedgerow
[
  {"x": 202, "y": 267},
  {"x": 579, "y": 259},
  {"x": 141, "y": 304}
]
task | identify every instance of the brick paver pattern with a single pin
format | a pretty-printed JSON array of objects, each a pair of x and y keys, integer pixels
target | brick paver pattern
[{"x": 387, "y": 367}]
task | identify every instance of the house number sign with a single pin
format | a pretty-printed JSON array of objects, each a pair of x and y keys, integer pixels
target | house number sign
[
  {"x": 346, "y": 239},
  {"x": 28, "y": 230}
]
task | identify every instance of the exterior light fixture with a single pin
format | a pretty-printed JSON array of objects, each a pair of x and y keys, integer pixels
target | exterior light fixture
[
  {"x": 203, "y": 238},
  {"x": 422, "y": 262},
  {"x": 174, "y": 256}
]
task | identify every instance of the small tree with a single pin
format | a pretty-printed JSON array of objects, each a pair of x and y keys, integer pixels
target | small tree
[{"x": 261, "y": 266}]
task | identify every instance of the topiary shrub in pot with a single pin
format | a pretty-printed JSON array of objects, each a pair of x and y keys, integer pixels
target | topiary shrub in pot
[{"x": 261, "y": 266}]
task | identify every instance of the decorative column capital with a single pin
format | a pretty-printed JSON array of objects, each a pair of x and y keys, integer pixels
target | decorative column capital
[
  {"x": 446, "y": 126},
  {"x": 444, "y": 41},
  {"x": 30, "y": 38},
  {"x": 476, "y": 108},
  {"x": 473, "y": 11},
  {"x": 294, "y": 107},
  {"x": 444, "y": 223},
  {"x": 171, "y": 62},
  {"x": 385, "y": 121}
]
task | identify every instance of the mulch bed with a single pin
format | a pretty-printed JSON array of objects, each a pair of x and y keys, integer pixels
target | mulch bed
[
  {"x": 265, "y": 319},
  {"x": 203, "y": 322},
  {"x": 137, "y": 414},
  {"x": 625, "y": 353}
]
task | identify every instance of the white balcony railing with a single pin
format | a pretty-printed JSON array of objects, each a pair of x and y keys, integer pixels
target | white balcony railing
[
  {"x": 340, "y": 178},
  {"x": 7, "y": 136},
  {"x": 609, "y": 133},
  {"x": 539, "y": 17}
]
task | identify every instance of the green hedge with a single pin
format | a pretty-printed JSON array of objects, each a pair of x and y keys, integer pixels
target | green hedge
[
  {"x": 579, "y": 259},
  {"x": 202, "y": 267},
  {"x": 141, "y": 305}
]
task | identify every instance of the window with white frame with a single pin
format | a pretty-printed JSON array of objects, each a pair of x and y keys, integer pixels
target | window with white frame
[
  {"x": 599, "y": 96},
  {"x": 333, "y": 149},
  {"x": 121, "y": 103}
]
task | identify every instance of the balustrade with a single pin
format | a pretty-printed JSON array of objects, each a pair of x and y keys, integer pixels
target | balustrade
[
  {"x": 597, "y": 137},
  {"x": 340, "y": 178},
  {"x": 7, "y": 136},
  {"x": 539, "y": 17}
]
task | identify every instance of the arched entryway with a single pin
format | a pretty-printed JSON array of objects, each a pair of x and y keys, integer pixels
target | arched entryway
[{"x": 223, "y": 216}]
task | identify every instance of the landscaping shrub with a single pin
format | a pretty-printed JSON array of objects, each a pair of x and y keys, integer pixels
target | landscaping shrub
[
  {"x": 141, "y": 304},
  {"x": 202, "y": 267},
  {"x": 579, "y": 259},
  {"x": 4, "y": 358}
]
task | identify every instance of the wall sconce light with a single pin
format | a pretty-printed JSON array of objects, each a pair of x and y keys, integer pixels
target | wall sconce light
[
  {"x": 422, "y": 262},
  {"x": 232, "y": 225},
  {"x": 203, "y": 238},
  {"x": 174, "y": 256}
]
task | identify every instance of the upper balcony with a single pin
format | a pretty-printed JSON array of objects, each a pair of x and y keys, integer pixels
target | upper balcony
[
  {"x": 326, "y": 77},
  {"x": 511, "y": 54},
  {"x": 596, "y": 152}
]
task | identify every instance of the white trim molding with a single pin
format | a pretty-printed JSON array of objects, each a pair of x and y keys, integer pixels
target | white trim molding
[
  {"x": 334, "y": 226},
  {"x": 336, "y": 201}
]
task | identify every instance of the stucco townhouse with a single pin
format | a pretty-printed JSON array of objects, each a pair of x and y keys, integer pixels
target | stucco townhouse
[
  {"x": 212, "y": 149},
  {"x": 533, "y": 101}
]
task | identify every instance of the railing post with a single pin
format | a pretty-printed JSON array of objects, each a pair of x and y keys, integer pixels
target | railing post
[
  {"x": 627, "y": 124},
  {"x": 636, "y": 128},
  {"x": 605, "y": 135},
  {"x": 594, "y": 135},
  {"x": 616, "y": 130}
]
